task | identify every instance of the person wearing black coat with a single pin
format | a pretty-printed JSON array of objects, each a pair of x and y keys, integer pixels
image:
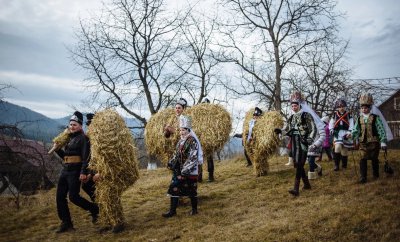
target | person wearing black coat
[{"x": 75, "y": 155}]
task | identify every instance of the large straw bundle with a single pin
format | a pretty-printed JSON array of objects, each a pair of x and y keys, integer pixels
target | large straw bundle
[
  {"x": 156, "y": 143},
  {"x": 113, "y": 156},
  {"x": 211, "y": 123},
  {"x": 264, "y": 142},
  {"x": 60, "y": 140}
]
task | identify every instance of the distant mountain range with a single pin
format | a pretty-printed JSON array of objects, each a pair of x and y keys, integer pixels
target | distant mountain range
[{"x": 36, "y": 126}]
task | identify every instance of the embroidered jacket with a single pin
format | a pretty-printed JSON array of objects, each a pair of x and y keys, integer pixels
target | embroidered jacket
[
  {"x": 185, "y": 160},
  {"x": 369, "y": 128}
]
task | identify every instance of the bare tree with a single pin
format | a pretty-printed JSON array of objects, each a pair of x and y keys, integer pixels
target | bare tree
[
  {"x": 197, "y": 62},
  {"x": 264, "y": 38},
  {"x": 128, "y": 53},
  {"x": 324, "y": 75}
]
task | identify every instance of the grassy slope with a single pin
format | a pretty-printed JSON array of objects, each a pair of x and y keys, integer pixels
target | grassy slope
[{"x": 237, "y": 207}]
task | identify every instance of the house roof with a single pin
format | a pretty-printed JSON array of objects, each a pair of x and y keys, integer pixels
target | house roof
[
  {"x": 32, "y": 151},
  {"x": 389, "y": 98}
]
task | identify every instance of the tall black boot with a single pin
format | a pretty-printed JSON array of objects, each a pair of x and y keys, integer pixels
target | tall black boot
[
  {"x": 363, "y": 171},
  {"x": 337, "y": 161},
  {"x": 193, "y": 201},
  {"x": 375, "y": 168},
  {"x": 295, "y": 190},
  {"x": 65, "y": 227},
  {"x": 173, "y": 206},
  {"x": 344, "y": 162}
]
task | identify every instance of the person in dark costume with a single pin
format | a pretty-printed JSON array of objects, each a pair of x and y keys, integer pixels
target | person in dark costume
[
  {"x": 88, "y": 185},
  {"x": 340, "y": 126},
  {"x": 75, "y": 155},
  {"x": 373, "y": 133},
  {"x": 184, "y": 167},
  {"x": 301, "y": 129}
]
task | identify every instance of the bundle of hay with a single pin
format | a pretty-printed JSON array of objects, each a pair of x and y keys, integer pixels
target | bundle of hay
[
  {"x": 60, "y": 140},
  {"x": 264, "y": 142},
  {"x": 211, "y": 123},
  {"x": 114, "y": 157},
  {"x": 156, "y": 143}
]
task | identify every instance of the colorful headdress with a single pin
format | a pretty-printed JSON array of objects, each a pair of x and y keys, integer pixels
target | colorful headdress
[
  {"x": 257, "y": 112},
  {"x": 185, "y": 122},
  {"x": 366, "y": 99},
  {"x": 296, "y": 97},
  {"x": 340, "y": 102}
]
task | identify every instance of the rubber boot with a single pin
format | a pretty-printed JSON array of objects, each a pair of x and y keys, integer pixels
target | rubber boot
[
  {"x": 210, "y": 168},
  {"x": 193, "y": 201},
  {"x": 337, "y": 161},
  {"x": 295, "y": 190},
  {"x": 375, "y": 168},
  {"x": 363, "y": 171},
  {"x": 173, "y": 206},
  {"x": 344, "y": 162}
]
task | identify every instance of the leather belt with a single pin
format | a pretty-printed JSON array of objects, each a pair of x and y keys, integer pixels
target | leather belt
[{"x": 72, "y": 159}]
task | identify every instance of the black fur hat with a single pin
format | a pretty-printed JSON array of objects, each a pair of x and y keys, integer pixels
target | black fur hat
[
  {"x": 257, "y": 112},
  {"x": 77, "y": 117},
  {"x": 89, "y": 117}
]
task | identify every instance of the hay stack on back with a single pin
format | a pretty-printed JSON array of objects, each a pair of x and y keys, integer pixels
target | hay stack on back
[
  {"x": 211, "y": 123},
  {"x": 264, "y": 142},
  {"x": 114, "y": 156}
]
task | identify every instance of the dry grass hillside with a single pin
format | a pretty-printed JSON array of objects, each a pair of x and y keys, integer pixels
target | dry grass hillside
[{"x": 237, "y": 207}]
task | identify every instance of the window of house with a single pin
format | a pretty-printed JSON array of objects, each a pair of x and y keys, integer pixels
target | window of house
[{"x": 397, "y": 103}]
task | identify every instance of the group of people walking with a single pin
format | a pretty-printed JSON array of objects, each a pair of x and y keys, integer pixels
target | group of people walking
[{"x": 309, "y": 135}]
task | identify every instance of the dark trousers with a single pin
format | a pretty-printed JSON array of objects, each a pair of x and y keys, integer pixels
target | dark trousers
[
  {"x": 247, "y": 158},
  {"x": 89, "y": 188},
  {"x": 328, "y": 152},
  {"x": 210, "y": 164},
  {"x": 69, "y": 183}
]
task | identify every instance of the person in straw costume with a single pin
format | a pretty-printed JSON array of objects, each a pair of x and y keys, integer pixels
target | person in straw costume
[
  {"x": 301, "y": 129},
  {"x": 249, "y": 136},
  {"x": 340, "y": 126},
  {"x": 184, "y": 167},
  {"x": 114, "y": 158},
  {"x": 373, "y": 133},
  {"x": 75, "y": 155}
]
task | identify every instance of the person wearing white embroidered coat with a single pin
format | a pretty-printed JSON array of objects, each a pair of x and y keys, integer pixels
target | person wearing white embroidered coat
[{"x": 184, "y": 167}]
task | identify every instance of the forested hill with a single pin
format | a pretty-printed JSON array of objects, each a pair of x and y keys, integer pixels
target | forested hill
[{"x": 32, "y": 124}]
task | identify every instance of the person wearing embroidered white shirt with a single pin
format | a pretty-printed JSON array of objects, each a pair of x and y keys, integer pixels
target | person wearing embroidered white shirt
[
  {"x": 340, "y": 126},
  {"x": 249, "y": 137},
  {"x": 371, "y": 132}
]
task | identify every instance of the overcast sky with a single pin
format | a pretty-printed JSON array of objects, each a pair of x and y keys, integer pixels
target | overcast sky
[{"x": 33, "y": 57}]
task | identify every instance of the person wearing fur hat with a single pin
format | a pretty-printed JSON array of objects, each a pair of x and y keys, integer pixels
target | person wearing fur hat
[
  {"x": 340, "y": 125},
  {"x": 372, "y": 132},
  {"x": 326, "y": 146},
  {"x": 184, "y": 167},
  {"x": 249, "y": 136},
  {"x": 302, "y": 131},
  {"x": 75, "y": 155}
]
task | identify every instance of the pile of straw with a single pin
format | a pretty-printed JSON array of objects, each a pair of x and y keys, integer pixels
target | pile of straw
[
  {"x": 264, "y": 141},
  {"x": 60, "y": 140},
  {"x": 114, "y": 157},
  {"x": 211, "y": 123}
]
